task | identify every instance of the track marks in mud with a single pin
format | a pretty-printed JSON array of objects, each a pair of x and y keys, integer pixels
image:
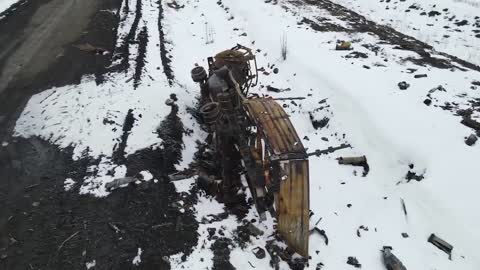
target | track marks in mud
[
  {"x": 119, "y": 151},
  {"x": 163, "y": 51},
  {"x": 139, "y": 36},
  {"x": 129, "y": 39},
  {"x": 140, "y": 61}
]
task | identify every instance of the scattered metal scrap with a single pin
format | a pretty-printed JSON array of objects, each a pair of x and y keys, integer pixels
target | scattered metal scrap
[
  {"x": 403, "y": 85},
  {"x": 259, "y": 252},
  {"x": 290, "y": 98},
  {"x": 329, "y": 150},
  {"x": 343, "y": 45},
  {"x": 277, "y": 90},
  {"x": 321, "y": 232},
  {"x": 391, "y": 261},
  {"x": 403, "y": 206},
  {"x": 355, "y": 161},
  {"x": 471, "y": 140},
  {"x": 441, "y": 244},
  {"x": 361, "y": 228}
]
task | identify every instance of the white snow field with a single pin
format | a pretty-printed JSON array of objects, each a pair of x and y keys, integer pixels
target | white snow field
[
  {"x": 436, "y": 22},
  {"x": 365, "y": 107}
]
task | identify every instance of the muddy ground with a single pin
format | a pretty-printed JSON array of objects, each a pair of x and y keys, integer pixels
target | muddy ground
[{"x": 41, "y": 225}]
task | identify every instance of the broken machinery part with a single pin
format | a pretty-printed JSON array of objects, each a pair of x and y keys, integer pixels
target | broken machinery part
[
  {"x": 329, "y": 150},
  {"x": 441, "y": 244},
  {"x": 391, "y": 261},
  {"x": 355, "y": 161}
]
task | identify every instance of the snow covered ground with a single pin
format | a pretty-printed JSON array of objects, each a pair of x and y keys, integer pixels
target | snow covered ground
[
  {"x": 391, "y": 127},
  {"x": 451, "y": 26},
  {"x": 5, "y": 4}
]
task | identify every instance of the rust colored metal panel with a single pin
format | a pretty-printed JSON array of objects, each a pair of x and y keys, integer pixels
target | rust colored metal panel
[
  {"x": 276, "y": 125},
  {"x": 293, "y": 205}
]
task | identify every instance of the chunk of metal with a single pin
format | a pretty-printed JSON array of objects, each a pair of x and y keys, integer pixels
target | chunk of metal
[
  {"x": 329, "y": 150},
  {"x": 198, "y": 74},
  {"x": 391, "y": 261},
  {"x": 355, "y": 161},
  {"x": 441, "y": 244}
]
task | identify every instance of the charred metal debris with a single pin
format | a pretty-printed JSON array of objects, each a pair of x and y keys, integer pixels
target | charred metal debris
[{"x": 252, "y": 137}]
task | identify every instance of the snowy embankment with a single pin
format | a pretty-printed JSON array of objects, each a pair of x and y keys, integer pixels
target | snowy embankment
[
  {"x": 364, "y": 107},
  {"x": 5, "y": 4},
  {"x": 451, "y": 26}
]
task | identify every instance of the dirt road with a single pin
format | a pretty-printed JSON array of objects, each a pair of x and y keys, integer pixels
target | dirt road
[
  {"x": 36, "y": 51},
  {"x": 33, "y": 50},
  {"x": 37, "y": 215}
]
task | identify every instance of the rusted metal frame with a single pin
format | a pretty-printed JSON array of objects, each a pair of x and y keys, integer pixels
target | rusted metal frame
[
  {"x": 283, "y": 136},
  {"x": 276, "y": 133},
  {"x": 289, "y": 156},
  {"x": 253, "y": 106},
  {"x": 289, "y": 126},
  {"x": 253, "y": 166}
]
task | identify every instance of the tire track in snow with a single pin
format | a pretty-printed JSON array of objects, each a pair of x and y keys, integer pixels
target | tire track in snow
[
  {"x": 167, "y": 69},
  {"x": 130, "y": 37}
]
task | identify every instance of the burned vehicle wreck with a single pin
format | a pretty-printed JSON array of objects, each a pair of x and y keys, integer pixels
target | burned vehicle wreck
[{"x": 257, "y": 129}]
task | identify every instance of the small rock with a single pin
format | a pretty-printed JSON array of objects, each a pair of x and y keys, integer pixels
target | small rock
[
  {"x": 324, "y": 139},
  {"x": 3, "y": 256},
  {"x": 275, "y": 70},
  {"x": 403, "y": 85},
  {"x": 471, "y": 140},
  {"x": 420, "y": 76},
  {"x": 349, "y": 205},
  {"x": 405, "y": 235},
  {"x": 319, "y": 266},
  {"x": 427, "y": 102},
  {"x": 477, "y": 83},
  {"x": 35, "y": 204}
]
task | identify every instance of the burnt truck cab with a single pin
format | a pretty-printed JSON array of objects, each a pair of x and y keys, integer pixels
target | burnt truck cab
[{"x": 257, "y": 128}]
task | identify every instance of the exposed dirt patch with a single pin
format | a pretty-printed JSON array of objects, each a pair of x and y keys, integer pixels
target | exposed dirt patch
[
  {"x": 42, "y": 226},
  {"x": 40, "y": 215}
]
